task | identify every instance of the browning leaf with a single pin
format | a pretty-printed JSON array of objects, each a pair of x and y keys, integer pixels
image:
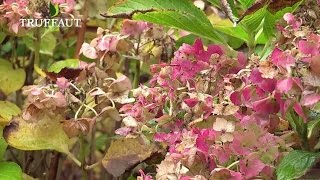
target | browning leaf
[
  {"x": 45, "y": 133},
  {"x": 277, "y": 5},
  {"x": 68, "y": 73},
  {"x": 273, "y": 6},
  {"x": 125, "y": 153},
  {"x": 7, "y": 111},
  {"x": 73, "y": 128}
]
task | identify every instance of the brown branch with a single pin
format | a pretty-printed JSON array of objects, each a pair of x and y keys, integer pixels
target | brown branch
[
  {"x": 54, "y": 164},
  {"x": 82, "y": 30},
  {"x": 126, "y": 15}
]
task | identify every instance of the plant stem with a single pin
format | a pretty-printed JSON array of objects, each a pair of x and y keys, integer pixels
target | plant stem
[
  {"x": 37, "y": 44},
  {"x": 73, "y": 158},
  {"x": 82, "y": 157},
  {"x": 136, "y": 78},
  {"x": 54, "y": 164},
  {"x": 82, "y": 30},
  {"x": 92, "y": 150},
  {"x": 251, "y": 43}
]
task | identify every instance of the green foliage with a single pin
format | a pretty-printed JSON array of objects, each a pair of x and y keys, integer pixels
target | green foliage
[
  {"x": 296, "y": 164},
  {"x": 183, "y": 15},
  {"x": 7, "y": 111},
  {"x": 298, "y": 126},
  {"x": 54, "y": 10},
  {"x": 214, "y": 2},
  {"x": 47, "y": 45},
  {"x": 45, "y": 132},
  {"x": 179, "y": 14},
  {"x": 3, "y": 145},
  {"x": 57, "y": 66},
  {"x": 10, "y": 171},
  {"x": 2, "y": 36},
  {"x": 11, "y": 79},
  {"x": 246, "y": 3}
]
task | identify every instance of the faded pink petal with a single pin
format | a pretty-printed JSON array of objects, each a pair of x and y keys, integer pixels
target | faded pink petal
[
  {"x": 108, "y": 43},
  {"x": 310, "y": 99},
  {"x": 132, "y": 27},
  {"x": 307, "y": 47},
  {"x": 291, "y": 20},
  {"x": 282, "y": 59},
  {"x": 251, "y": 167},
  {"x": 266, "y": 106},
  {"x": 62, "y": 83},
  {"x": 88, "y": 51},
  {"x": 298, "y": 109},
  {"x": 285, "y": 85},
  {"x": 191, "y": 102},
  {"x": 124, "y": 131}
]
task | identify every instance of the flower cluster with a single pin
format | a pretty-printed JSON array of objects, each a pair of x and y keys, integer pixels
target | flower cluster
[
  {"x": 12, "y": 11},
  {"x": 219, "y": 116}
]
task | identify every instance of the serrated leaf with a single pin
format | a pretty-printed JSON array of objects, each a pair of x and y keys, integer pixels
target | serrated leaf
[
  {"x": 180, "y": 14},
  {"x": 47, "y": 44},
  {"x": 124, "y": 153},
  {"x": 11, "y": 79},
  {"x": 7, "y": 111},
  {"x": 68, "y": 63},
  {"x": 10, "y": 171},
  {"x": 44, "y": 132},
  {"x": 296, "y": 164}
]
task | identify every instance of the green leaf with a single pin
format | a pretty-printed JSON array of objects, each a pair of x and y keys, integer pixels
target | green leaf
[
  {"x": 180, "y": 14},
  {"x": 246, "y": 3},
  {"x": 296, "y": 164},
  {"x": 313, "y": 128},
  {"x": 54, "y": 10},
  {"x": 269, "y": 25},
  {"x": 214, "y": 2},
  {"x": 237, "y": 32},
  {"x": 47, "y": 45},
  {"x": 69, "y": 63},
  {"x": 293, "y": 8},
  {"x": 10, "y": 171},
  {"x": 3, "y": 35},
  {"x": 297, "y": 124},
  {"x": 253, "y": 21},
  {"x": 3, "y": 145},
  {"x": 11, "y": 79},
  {"x": 7, "y": 111}
]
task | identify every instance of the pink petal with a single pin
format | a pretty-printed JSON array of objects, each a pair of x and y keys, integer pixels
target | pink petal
[
  {"x": 282, "y": 59},
  {"x": 191, "y": 102},
  {"x": 307, "y": 47},
  {"x": 309, "y": 100},
  {"x": 298, "y": 109},
  {"x": 88, "y": 51}
]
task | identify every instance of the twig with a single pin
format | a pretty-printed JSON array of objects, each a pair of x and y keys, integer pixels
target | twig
[
  {"x": 54, "y": 164},
  {"x": 82, "y": 30}
]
